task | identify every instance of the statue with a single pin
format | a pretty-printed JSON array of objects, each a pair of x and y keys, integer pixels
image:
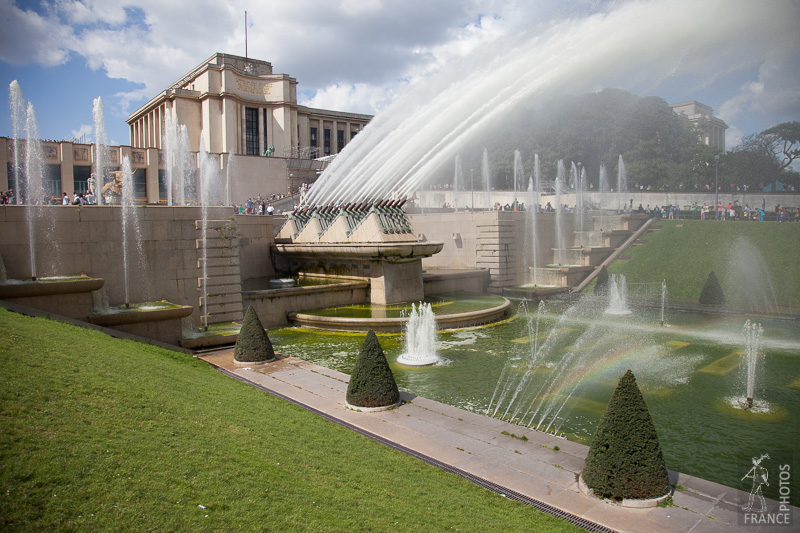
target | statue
[{"x": 112, "y": 191}]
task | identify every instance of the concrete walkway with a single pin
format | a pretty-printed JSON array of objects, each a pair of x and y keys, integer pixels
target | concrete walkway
[{"x": 475, "y": 447}]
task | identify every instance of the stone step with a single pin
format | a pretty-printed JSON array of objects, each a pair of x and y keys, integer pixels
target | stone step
[
  {"x": 220, "y": 284},
  {"x": 212, "y": 272},
  {"x": 216, "y": 318},
  {"x": 218, "y": 261},
  {"x": 222, "y": 299},
  {"x": 222, "y": 252}
]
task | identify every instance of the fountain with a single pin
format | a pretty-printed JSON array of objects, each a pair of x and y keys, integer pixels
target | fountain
[
  {"x": 530, "y": 243},
  {"x": 209, "y": 195},
  {"x": 560, "y": 237},
  {"x": 487, "y": 177},
  {"x": 622, "y": 184},
  {"x": 458, "y": 177},
  {"x": 130, "y": 227},
  {"x": 518, "y": 177},
  {"x": 618, "y": 296},
  {"x": 33, "y": 190},
  {"x": 752, "y": 342},
  {"x": 602, "y": 180},
  {"x": 420, "y": 337},
  {"x": 17, "y": 107},
  {"x": 100, "y": 150},
  {"x": 176, "y": 150}
]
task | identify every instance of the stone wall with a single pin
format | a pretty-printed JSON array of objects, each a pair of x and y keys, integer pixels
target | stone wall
[
  {"x": 74, "y": 240},
  {"x": 492, "y": 240}
]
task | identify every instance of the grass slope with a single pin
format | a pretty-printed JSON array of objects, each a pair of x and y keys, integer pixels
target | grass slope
[
  {"x": 683, "y": 252},
  {"x": 104, "y": 434}
]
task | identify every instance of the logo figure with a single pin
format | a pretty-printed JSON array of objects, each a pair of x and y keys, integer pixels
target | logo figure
[{"x": 760, "y": 476}]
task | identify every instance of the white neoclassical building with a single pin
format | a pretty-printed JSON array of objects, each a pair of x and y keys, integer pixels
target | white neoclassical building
[
  {"x": 711, "y": 128},
  {"x": 231, "y": 106}
]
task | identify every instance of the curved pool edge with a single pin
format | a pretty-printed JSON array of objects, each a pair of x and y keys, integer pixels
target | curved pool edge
[{"x": 395, "y": 325}]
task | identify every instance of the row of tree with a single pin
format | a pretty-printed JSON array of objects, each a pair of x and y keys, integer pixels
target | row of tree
[{"x": 659, "y": 147}]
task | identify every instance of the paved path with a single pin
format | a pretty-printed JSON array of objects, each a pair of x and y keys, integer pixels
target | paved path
[{"x": 475, "y": 447}]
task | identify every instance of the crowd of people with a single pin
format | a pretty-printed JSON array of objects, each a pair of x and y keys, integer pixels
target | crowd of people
[{"x": 721, "y": 211}]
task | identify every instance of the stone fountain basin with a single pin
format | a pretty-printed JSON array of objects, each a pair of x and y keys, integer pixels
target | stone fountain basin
[
  {"x": 394, "y": 325},
  {"x": 49, "y": 287},
  {"x": 140, "y": 313}
]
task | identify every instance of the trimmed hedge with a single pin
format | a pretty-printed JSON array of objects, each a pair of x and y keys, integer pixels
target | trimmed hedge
[
  {"x": 253, "y": 344},
  {"x": 372, "y": 383},
  {"x": 625, "y": 459},
  {"x": 712, "y": 291}
]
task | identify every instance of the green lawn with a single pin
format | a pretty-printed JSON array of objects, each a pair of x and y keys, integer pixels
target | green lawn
[
  {"x": 104, "y": 434},
  {"x": 745, "y": 256}
]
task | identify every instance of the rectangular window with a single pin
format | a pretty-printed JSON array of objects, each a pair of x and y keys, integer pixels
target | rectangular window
[
  {"x": 162, "y": 185},
  {"x": 12, "y": 179},
  {"x": 313, "y": 141},
  {"x": 52, "y": 182},
  {"x": 327, "y": 141},
  {"x": 140, "y": 184},
  {"x": 353, "y": 133},
  {"x": 266, "y": 144},
  {"x": 80, "y": 178},
  {"x": 340, "y": 140},
  {"x": 251, "y": 131}
]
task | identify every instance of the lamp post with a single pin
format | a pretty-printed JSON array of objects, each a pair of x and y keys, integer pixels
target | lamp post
[{"x": 716, "y": 180}]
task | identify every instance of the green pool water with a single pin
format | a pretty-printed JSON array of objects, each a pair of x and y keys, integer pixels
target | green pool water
[{"x": 691, "y": 373}]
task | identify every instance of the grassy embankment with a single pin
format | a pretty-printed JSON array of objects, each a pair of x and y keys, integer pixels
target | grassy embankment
[
  {"x": 742, "y": 254},
  {"x": 104, "y": 434}
]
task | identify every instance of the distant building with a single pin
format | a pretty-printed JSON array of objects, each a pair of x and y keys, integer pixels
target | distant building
[
  {"x": 232, "y": 106},
  {"x": 237, "y": 106},
  {"x": 711, "y": 128}
]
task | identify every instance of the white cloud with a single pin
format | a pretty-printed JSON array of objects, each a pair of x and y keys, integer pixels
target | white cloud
[
  {"x": 28, "y": 37},
  {"x": 84, "y": 129}
]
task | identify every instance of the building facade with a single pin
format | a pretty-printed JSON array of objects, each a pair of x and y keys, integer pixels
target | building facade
[
  {"x": 232, "y": 107},
  {"x": 711, "y": 128}
]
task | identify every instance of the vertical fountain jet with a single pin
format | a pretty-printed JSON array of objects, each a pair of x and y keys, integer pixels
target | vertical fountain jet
[
  {"x": 622, "y": 184},
  {"x": 602, "y": 180},
  {"x": 17, "y": 108},
  {"x": 458, "y": 177},
  {"x": 561, "y": 243},
  {"x": 100, "y": 149},
  {"x": 487, "y": 177},
  {"x": 752, "y": 342},
  {"x": 519, "y": 176},
  {"x": 420, "y": 337},
  {"x": 34, "y": 187}
]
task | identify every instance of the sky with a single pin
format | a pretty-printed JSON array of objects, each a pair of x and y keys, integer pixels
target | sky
[{"x": 349, "y": 55}]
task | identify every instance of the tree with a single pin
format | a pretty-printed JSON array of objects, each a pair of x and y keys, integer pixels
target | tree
[
  {"x": 253, "y": 344},
  {"x": 625, "y": 459},
  {"x": 372, "y": 383},
  {"x": 783, "y": 140}
]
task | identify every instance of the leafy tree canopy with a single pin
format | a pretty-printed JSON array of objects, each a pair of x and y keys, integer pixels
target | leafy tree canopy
[{"x": 660, "y": 148}]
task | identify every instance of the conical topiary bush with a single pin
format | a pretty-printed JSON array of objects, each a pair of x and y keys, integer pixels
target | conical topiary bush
[
  {"x": 253, "y": 344},
  {"x": 625, "y": 460},
  {"x": 712, "y": 291},
  {"x": 372, "y": 383}
]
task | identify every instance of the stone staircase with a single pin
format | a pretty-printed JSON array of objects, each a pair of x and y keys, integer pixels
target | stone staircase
[{"x": 222, "y": 281}]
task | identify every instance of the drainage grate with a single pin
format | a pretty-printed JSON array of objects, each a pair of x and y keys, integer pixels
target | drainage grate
[{"x": 588, "y": 525}]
